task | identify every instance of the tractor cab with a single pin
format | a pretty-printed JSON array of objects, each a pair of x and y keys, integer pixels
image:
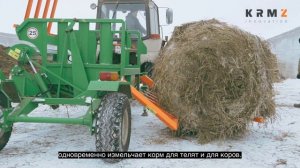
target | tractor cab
[{"x": 139, "y": 15}]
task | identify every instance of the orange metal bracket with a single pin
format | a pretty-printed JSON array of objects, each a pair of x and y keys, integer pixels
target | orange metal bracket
[
  {"x": 259, "y": 119},
  {"x": 147, "y": 81},
  {"x": 38, "y": 9},
  {"x": 28, "y": 9},
  {"x": 52, "y": 15},
  {"x": 46, "y": 9},
  {"x": 170, "y": 120},
  {"x": 167, "y": 118}
]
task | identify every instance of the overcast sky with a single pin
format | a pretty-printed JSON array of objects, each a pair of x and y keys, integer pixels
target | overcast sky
[{"x": 230, "y": 11}]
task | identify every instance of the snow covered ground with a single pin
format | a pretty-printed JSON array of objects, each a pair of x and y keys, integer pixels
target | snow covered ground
[{"x": 275, "y": 145}]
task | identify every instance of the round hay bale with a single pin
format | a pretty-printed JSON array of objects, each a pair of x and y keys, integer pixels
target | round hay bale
[{"x": 215, "y": 78}]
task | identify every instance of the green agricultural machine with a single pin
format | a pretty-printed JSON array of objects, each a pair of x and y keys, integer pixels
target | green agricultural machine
[
  {"x": 98, "y": 81},
  {"x": 87, "y": 66}
]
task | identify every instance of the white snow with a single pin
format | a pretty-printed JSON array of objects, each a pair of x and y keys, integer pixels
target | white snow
[{"x": 275, "y": 145}]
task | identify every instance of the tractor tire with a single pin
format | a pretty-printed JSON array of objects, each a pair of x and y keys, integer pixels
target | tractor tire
[
  {"x": 148, "y": 68},
  {"x": 4, "y": 136},
  {"x": 298, "y": 74},
  {"x": 113, "y": 124}
]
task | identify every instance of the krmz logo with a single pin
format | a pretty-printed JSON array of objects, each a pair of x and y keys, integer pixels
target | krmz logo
[{"x": 268, "y": 13}]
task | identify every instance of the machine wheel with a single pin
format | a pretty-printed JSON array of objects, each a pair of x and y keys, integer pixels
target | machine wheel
[
  {"x": 147, "y": 67},
  {"x": 113, "y": 124},
  {"x": 298, "y": 74},
  {"x": 4, "y": 136}
]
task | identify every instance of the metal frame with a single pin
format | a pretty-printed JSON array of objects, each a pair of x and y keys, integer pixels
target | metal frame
[{"x": 59, "y": 82}]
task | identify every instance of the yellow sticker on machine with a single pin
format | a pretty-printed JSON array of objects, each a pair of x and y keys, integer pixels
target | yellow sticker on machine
[
  {"x": 17, "y": 50},
  {"x": 15, "y": 54}
]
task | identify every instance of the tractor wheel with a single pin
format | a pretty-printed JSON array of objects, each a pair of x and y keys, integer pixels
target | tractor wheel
[
  {"x": 147, "y": 67},
  {"x": 298, "y": 74},
  {"x": 4, "y": 136},
  {"x": 113, "y": 124}
]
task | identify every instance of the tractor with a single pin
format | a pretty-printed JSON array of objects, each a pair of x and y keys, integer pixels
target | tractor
[
  {"x": 148, "y": 18},
  {"x": 87, "y": 66}
]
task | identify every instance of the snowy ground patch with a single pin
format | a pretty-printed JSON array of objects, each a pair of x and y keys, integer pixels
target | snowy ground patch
[{"x": 275, "y": 145}]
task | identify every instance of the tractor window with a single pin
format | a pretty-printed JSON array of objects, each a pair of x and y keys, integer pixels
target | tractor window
[
  {"x": 133, "y": 14},
  {"x": 154, "y": 22}
]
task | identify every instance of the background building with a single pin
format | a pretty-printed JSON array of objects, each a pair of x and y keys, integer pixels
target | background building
[
  {"x": 7, "y": 39},
  {"x": 287, "y": 48}
]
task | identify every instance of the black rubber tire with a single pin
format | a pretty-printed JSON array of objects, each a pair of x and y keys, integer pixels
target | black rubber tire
[
  {"x": 298, "y": 74},
  {"x": 113, "y": 124},
  {"x": 4, "y": 136},
  {"x": 147, "y": 67}
]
